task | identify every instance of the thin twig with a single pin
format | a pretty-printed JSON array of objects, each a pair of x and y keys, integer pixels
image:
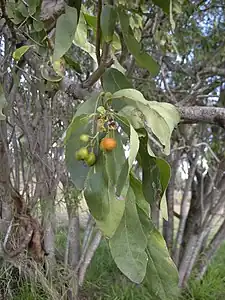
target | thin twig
[{"x": 98, "y": 32}]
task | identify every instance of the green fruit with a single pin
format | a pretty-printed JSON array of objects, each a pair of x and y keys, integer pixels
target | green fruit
[
  {"x": 84, "y": 138},
  {"x": 101, "y": 110},
  {"x": 91, "y": 159},
  {"x": 78, "y": 156},
  {"x": 82, "y": 154}
]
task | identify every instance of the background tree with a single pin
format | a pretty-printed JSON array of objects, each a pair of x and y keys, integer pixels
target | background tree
[{"x": 130, "y": 71}]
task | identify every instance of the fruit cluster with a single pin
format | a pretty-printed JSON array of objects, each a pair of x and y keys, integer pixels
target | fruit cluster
[
  {"x": 106, "y": 144},
  {"x": 84, "y": 154}
]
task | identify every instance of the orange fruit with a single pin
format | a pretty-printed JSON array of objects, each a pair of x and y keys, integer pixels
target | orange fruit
[{"x": 108, "y": 144}]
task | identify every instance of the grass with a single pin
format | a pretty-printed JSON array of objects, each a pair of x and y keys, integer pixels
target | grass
[{"x": 105, "y": 282}]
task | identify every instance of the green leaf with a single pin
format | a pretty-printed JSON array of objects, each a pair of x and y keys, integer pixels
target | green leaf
[
  {"x": 143, "y": 59},
  {"x": 140, "y": 199},
  {"x": 77, "y": 169},
  {"x": 129, "y": 242},
  {"x": 2, "y": 103},
  {"x": 123, "y": 180},
  {"x": 165, "y": 173},
  {"x": 23, "y": 9},
  {"x": 72, "y": 63},
  {"x": 164, "y": 4},
  {"x": 18, "y": 53},
  {"x": 170, "y": 115},
  {"x": 108, "y": 22},
  {"x": 81, "y": 39},
  {"x": 91, "y": 21},
  {"x": 160, "y": 118},
  {"x": 133, "y": 115},
  {"x": 114, "y": 80},
  {"x": 161, "y": 275},
  {"x": 89, "y": 106},
  {"x": 113, "y": 161},
  {"x": 65, "y": 31},
  {"x": 151, "y": 184},
  {"x": 96, "y": 191}
]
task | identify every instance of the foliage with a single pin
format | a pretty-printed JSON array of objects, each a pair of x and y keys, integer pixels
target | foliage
[{"x": 131, "y": 67}]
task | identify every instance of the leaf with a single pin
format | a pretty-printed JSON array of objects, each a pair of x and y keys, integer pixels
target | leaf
[
  {"x": 72, "y": 63},
  {"x": 171, "y": 116},
  {"x": 161, "y": 275},
  {"x": 81, "y": 39},
  {"x": 2, "y": 103},
  {"x": 65, "y": 31},
  {"x": 96, "y": 191},
  {"x": 113, "y": 162},
  {"x": 89, "y": 106},
  {"x": 141, "y": 202},
  {"x": 114, "y": 80},
  {"x": 123, "y": 180},
  {"x": 128, "y": 244},
  {"x": 160, "y": 118},
  {"x": 108, "y": 22},
  {"x": 128, "y": 95},
  {"x": 165, "y": 173},
  {"x": 18, "y": 53},
  {"x": 151, "y": 184},
  {"x": 133, "y": 115},
  {"x": 142, "y": 58},
  {"x": 77, "y": 169},
  {"x": 48, "y": 73},
  {"x": 164, "y": 4}
]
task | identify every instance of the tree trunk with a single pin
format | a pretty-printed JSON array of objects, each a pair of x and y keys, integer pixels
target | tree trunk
[
  {"x": 5, "y": 187},
  {"x": 208, "y": 255}
]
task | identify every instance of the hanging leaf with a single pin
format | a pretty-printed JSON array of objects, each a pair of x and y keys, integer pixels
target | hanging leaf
[
  {"x": 164, "y": 4},
  {"x": 113, "y": 161},
  {"x": 78, "y": 169},
  {"x": 151, "y": 184},
  {"x": 128, "y": 244},
  {"x": 143, "y": 59},
  {"x": 133, "y": 115},
  {"x": 161, "y": 275},
  {"x": 89, "y": 106},
  {"x": 65, "y": 31},
  {"x": 96, "y": 191},
  {"x": 81, "y": 39},
  {"x": 108, "y": 22},
  {"x": 141, "y": 202},
  {"x": 18, "y": 53},
  {"x": 123, "y": 180},
  {"x": 165, "y": 173},
  {"x": 114, "y": 80},
  {"x": 160, "y": 118}
]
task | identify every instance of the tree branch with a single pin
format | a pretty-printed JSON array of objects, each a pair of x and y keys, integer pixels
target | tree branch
[{"x": 212, "y": 115}]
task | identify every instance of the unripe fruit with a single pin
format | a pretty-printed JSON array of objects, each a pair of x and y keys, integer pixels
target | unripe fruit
[
  {"x": 108, "y": 144},
  {"x": 82, "y": 154},
  {"x": 84, "y": 138},
  {"x": 101, "y": 110},
  {"x": 91, "y": 159}
]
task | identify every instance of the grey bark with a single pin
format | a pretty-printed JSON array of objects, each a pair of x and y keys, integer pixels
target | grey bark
[{"x": 183, "y": 215}]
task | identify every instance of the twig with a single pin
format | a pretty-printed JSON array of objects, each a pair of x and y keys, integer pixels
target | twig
[
  {"x": 172, "y": 97},
  {"x": 98, "y": 32},
  {"x": 96, "y": 75}
]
